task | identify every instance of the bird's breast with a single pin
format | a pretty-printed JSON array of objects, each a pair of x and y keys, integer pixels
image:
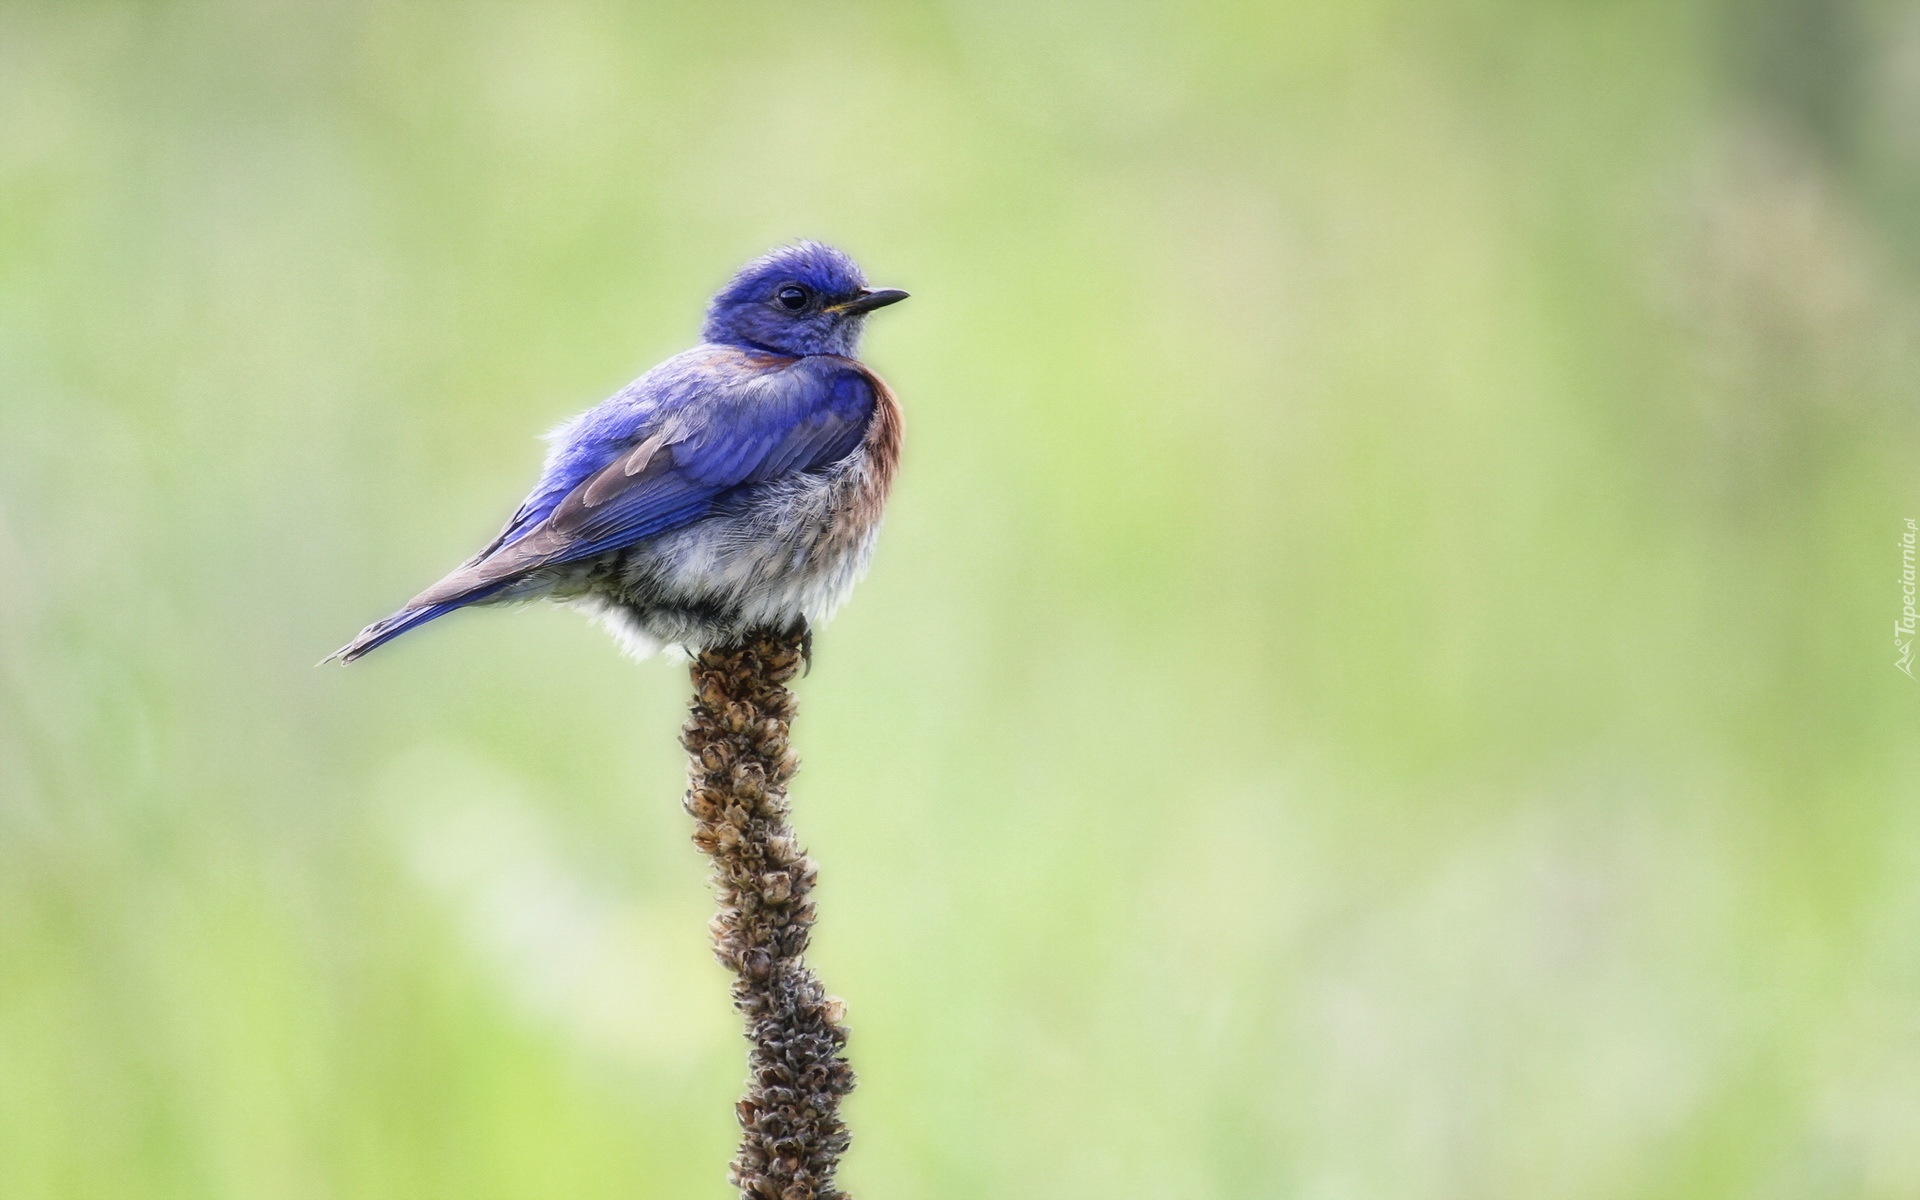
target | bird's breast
[{"x": 784, "y": 548}]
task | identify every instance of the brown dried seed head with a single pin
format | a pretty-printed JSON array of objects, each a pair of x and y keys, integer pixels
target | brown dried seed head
[{"x": 737, "y": 737}]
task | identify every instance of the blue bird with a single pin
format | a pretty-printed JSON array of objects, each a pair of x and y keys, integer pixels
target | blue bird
[{"x": 737, "y": 485}]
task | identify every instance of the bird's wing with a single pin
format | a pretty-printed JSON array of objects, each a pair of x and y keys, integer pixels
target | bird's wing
[{"x": 738, "y": 434}]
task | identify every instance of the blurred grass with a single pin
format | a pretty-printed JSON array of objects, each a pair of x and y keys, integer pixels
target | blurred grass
[{"x": 1376, "y": 682}]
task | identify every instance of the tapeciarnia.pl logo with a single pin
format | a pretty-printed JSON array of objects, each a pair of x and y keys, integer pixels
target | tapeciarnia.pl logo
[{"x": 1904, "y": 627}]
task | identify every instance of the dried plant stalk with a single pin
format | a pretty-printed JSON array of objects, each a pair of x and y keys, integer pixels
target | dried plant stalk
[{"x": 739, "y": 763}]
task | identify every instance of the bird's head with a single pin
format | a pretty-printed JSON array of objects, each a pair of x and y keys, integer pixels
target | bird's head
[{"x": 801, "y": 299}]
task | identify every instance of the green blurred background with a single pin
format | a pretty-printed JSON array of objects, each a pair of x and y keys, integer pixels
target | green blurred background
[{"x": 1377, "y": 681}]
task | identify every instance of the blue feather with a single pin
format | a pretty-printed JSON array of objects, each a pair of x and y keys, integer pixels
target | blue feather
[
  {"x": 773, "y": 394},
  {"x": 385, "y": 630}
]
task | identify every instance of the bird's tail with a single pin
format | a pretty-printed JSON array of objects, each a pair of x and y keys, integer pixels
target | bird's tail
[{"x": 386, "y": 629}]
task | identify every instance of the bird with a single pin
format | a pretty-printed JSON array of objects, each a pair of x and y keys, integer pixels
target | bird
[{"x": 738, "y": 485}]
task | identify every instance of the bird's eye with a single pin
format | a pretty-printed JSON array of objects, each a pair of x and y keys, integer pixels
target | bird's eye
[{"x": 792, "y": 297}]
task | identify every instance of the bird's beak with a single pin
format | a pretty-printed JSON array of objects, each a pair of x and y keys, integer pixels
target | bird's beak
[{"x": 872, "y": 298}]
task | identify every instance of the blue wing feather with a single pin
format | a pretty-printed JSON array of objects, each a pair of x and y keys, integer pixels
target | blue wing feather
[{"x": 723, "y": 425}]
